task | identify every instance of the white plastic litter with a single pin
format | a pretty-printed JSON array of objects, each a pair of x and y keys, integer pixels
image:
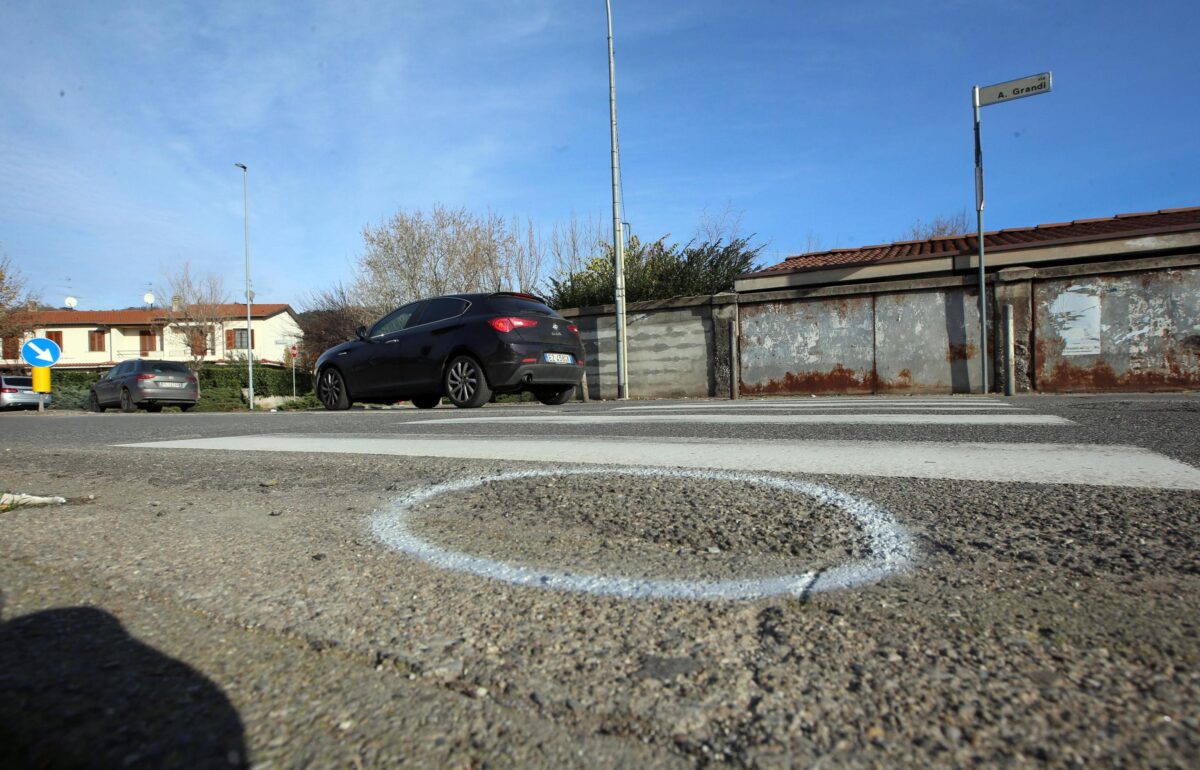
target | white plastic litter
[{"x": 17, "y": 500}]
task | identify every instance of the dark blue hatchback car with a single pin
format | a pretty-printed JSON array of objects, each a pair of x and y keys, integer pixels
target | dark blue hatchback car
[{"x": 462, "y": 346}]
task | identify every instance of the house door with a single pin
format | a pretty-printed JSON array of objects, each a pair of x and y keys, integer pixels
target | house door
[{"x": 146, "y": 342}]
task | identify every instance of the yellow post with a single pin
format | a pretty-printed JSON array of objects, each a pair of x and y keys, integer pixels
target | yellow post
[{"x": 41, "y": 384}]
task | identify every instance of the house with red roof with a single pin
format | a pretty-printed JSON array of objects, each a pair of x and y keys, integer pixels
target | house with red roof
[{"x": 102, "y": 338}]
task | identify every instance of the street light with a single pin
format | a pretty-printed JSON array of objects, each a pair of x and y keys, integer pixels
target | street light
[
  {"x": 618, "y": 228},
  {"x": 246, "y": 232}
]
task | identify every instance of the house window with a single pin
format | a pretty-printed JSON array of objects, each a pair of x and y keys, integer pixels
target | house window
[
  {"x": 146, "y": 342},
  {"x": 96, "y": 341},
  {"x": 235, "y": 339},
  {"x": 56, "y": 338}
]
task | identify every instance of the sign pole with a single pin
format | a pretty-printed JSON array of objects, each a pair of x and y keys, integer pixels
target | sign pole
[
  {"x": 983, "y": 347},
  {"x": 981, "y": 97}
]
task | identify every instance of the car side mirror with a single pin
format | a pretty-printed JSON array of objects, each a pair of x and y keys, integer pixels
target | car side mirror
[{"x": 361, "y": 333}]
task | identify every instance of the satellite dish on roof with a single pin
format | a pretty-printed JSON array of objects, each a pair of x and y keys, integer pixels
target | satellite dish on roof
[
  {"x": 71, "y": 302},
  {"x": 148, "y": 298}
]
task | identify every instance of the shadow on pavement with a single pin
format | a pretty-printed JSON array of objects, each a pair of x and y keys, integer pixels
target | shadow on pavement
[{"x": 76, "y": 690}]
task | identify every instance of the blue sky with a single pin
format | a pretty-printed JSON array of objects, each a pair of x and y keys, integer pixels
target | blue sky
[{"x": 837, "y": 123}]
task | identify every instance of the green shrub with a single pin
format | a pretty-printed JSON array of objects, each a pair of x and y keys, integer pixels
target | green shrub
[
  {"x": 268, "y": 381},
  {"x": 302, "y": 402},
  {"x": 70, "y": 396},
  {"x": 220, "y": 399}
]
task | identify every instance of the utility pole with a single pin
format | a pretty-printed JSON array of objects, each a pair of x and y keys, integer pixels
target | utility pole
[
  {"x": 249, "y": 329},
  {"x": 618, "y": 229}
]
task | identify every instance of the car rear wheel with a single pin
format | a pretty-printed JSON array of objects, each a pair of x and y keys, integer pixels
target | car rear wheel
[
  {"x": 331, "y": 390},
  {"x": 425, "y": 402},
  {"x": 465, "y": 384},
  {"x": 127, "y": 404},
  {"x": 94, "y": 404},
  {"x": 154, "y": 407},
  {"x": 554, "y": 397}
]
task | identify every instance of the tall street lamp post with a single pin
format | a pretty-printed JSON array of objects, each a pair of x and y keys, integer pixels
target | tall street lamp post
[
  {"x": 246, "y": 233},
  {"x": 618, "y": 229}
]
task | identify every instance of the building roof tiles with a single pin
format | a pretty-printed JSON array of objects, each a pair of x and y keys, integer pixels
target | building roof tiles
[
  {"x": 145, "y": 316},
  {"x": 1053, "y": 234}
]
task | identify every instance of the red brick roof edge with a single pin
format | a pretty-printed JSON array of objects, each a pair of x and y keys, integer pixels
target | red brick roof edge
[
  {"x": 1055, "y": 234},
  {"x": 145, "y": 317}
]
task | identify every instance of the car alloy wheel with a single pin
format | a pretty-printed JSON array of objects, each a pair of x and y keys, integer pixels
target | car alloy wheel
[
  {"x": 127, "y": 404},
  {"x": 94, "y": 403},
  {"x": 331, "y": 390},
  {"x": 465, "y": 384}
]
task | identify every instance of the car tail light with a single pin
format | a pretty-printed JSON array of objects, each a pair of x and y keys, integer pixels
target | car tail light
[
  {"x": 505, "y": 325},
  {"x": 573, "y": 328},
  {"x": 145, "y": 376},
  {"x": 529, "y": 360},
  {"x": 8, "y": 390},
  {"x": 191, "y": 378}
]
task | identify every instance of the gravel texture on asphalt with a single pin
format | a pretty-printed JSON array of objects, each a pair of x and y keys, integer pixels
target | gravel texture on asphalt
[
  {"x": 1041, "y": 625},
  {"x": 650, "y": 526}
]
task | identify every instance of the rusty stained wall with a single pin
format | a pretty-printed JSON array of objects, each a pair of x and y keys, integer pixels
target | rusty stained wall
[
  {"x": 1118, "y": 332},
  {"x": 670, "y": 353},
  {"x": 807, "y": 346},
  {"x": 928, "y": 341},
  {"x": 921, "y": 342}
]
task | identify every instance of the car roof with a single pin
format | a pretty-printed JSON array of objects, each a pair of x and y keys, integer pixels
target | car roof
[{"x": 472, "y": 296}]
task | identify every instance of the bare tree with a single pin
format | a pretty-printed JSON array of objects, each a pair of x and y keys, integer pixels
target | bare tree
[
  {"x": 938, "y": 227},
  {"x": 725, "y": 225},
  {"x": 573, "y": 245},
  {"x": 331, "y": 317},
  {"x": 15, "y": 304},
  {"x": 414, "y": 255},
  {"x": 195, "y": 310}
]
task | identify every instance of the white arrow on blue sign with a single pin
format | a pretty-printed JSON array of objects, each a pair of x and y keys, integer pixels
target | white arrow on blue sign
[{"x": 40, "y": 351}]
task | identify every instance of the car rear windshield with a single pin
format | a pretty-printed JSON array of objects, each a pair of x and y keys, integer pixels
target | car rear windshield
[
  {"x": 19, "y": 382},
  {"x": 509, "y": 305},
  {"x": 167, "y": 367}
]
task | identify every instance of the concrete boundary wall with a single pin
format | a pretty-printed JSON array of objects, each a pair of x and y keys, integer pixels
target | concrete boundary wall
[{"x": 1101, "y": 326}]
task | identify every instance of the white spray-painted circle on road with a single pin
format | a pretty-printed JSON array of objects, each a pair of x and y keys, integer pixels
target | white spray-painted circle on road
[{"x": 891, "y": 550}]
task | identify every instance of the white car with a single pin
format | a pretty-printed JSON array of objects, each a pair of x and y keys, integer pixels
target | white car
[{"x": 16, "y": 392}]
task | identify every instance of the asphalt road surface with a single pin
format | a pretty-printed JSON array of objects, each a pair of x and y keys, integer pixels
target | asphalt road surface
[{"x": 827, "y": 582}]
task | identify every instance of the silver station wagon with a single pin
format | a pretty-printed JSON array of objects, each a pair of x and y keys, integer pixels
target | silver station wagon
[
  {"x": 16, "y": 392},
  {"x": 142, "y": 383}
]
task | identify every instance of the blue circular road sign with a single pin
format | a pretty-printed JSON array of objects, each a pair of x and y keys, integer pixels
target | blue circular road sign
[{"x": 40, "y": 351}]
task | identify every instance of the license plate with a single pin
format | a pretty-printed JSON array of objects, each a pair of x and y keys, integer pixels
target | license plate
[
  {"x": 558, "y": 358},
  {"x": 172, "y": 384}
]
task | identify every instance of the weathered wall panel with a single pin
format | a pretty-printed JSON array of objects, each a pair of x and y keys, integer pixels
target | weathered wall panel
[
  {"x": 807, "y": 346},
  {"x": 928, "y": 341},
  {"x": 1132, "y": 331},
  {"x": 670, "y": 353}
]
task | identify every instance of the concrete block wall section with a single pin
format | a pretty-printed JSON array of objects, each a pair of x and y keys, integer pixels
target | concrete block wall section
[{"x": 1099, "y": 326}]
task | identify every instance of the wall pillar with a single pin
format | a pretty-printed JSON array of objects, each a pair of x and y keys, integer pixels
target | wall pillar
[{"x": 1014, "y": 286}]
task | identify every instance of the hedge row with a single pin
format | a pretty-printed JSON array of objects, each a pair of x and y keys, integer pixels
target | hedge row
[{"x": 220, "y": 386}]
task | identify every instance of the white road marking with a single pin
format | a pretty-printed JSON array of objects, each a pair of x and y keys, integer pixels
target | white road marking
[
  {"x": 891, "y": 551},
  {"x": 821, "y": 405},
  {"x": 832, "y": 403},
  {"x": 643, "y": 418},
  {"x": 1121, "y": 466}
]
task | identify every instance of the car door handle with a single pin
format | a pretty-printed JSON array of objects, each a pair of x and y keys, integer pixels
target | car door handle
[{"x": 391, "y": 342}]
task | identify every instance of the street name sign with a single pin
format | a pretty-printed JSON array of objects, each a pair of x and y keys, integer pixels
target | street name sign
[
  {"x": 40, "y": 351},
  {"x": 1015, "y": 89}
]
